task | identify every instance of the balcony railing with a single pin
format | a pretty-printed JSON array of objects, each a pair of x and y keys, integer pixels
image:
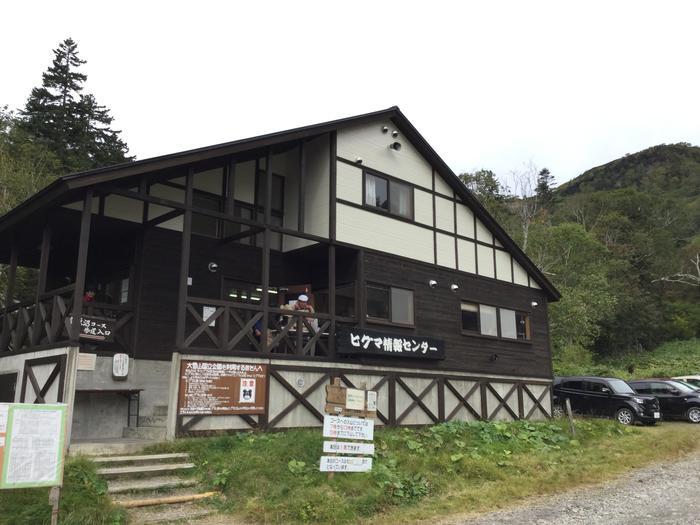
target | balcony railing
[
  {"x": 231, "y": 327},
  {"x": 48, "y": 321}
]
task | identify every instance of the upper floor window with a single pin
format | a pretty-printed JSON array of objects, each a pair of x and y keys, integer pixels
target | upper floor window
[
  {"x": 386, "y": 303},
  {"x": 389, "y": 195},
  {"x": 496, "y": 322}
]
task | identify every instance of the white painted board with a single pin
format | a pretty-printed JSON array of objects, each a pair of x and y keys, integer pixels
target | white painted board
[
  {"x": 345, "y": 464},
  {"x": 343, "y": 447},
  {"x": 348, "y": 427},
  {"x": 371, "y": 401},
  {"x": 86, "y": 361},
  {"x": 354, "y": 399}
]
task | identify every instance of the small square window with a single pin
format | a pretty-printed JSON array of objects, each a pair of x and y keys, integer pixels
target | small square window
[{"x": 390, "y": 304}]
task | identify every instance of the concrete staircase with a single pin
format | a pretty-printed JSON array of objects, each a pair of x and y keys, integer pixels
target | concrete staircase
[{"x": 152, "y": 490}]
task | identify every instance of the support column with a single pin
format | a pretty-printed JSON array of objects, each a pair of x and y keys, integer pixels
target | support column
[
  {"x": 184, "y": 260},
  {"x": 9, "y": 297},
  {"x": 302, "y": 186},
  {"x": 266, "y": 254},
  {"x": 230, "y": 172},
  {"x": 81, "y": 267},
  {"x": 38, "y": 322},
  {"x": 331, "y": 298}
]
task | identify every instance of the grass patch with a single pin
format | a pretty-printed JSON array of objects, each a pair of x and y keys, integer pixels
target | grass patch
[
  {"x": 84, "y": 500},
  {"x": 420, "y": 474}
]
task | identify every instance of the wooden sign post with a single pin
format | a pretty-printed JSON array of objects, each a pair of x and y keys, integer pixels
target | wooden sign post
[{"x": 350, "y": 415}]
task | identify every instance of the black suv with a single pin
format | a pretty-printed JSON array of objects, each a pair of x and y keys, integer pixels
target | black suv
[
  {"x": 605, "y": 396},
  {"x": 677, "y": 400}
]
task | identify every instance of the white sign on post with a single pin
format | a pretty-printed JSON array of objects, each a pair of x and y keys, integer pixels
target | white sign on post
[
  {"x": 348, "y": 427},
  {"x": 345, "y": 464},
  {"x": 346, "y": 447},
  {"x": 33, "y": 448}
]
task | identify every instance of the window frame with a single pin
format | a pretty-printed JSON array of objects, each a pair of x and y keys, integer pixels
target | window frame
[
  {"x": 498, "y": 308},
  {"x": 478, "y": 318},
  {"x": 389, "y": 321},
  {"x": 389, "y": 180}
]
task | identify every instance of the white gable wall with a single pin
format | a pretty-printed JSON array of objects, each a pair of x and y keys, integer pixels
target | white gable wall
[{"x": 475, "y": 250}]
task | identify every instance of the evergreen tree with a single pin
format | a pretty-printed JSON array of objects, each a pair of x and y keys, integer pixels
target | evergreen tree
[
  {"x": 545, "y": 188},
  {"x": 71, "y": 124}
]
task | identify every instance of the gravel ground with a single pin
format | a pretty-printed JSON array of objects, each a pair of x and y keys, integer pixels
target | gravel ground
[{"x": 664, "y": 493}]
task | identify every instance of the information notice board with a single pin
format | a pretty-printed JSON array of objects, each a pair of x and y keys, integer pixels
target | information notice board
[
  {"x": 222, "y": 388},
  {"x": 31, "y": 445}
]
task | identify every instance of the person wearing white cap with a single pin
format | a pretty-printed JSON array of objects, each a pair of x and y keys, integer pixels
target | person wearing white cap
[{"x": 303, "y": 305}]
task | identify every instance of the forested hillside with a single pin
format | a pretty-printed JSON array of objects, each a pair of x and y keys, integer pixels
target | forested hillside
[{"x": 620, "y": 242}]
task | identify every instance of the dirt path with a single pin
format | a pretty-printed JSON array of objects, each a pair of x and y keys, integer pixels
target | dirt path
[{"x": 663, "y": 493}]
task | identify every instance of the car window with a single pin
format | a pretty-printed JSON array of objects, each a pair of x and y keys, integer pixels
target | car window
[
  {"x": 694, "y": 382},
  {"x": 680, "y": 386},
  {"x": 642, "y": 388},
  {"x": 620, "y": 387},
  {"x": 573, "y": 385},
  {"x": 660, "y": 388},
  {"x": 595, "y": 386},
  {"x": 693, "y": 387}
]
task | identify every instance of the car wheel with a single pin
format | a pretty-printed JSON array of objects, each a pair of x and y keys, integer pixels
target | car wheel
[
  {"x": 558, "y": 411},
  {"x": 693, "y": 414},
  {"x": 624, "y": 416}
]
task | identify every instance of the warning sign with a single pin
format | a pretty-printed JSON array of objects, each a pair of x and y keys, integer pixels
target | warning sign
[{"x": 221, "y": 388}]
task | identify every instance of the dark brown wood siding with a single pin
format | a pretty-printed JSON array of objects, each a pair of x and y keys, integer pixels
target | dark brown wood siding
[
  {"x": 437, "y": 310},
  {"x": 438, "y": 315}
]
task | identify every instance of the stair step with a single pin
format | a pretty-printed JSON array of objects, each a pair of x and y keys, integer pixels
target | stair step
[
  {"x": 177, "y": 513},
  {"x": 164, "y": 500},
  {"x": 139, "y": 469},
  {"x": 146, "y": 484},
  {"x": 148, "y": 457}
]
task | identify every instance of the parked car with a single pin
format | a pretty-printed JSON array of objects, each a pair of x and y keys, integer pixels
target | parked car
[
  {"x": 677, "y": 400},
  {"x": 606, "y": 397},
  {"x": 693, "y": 380}
]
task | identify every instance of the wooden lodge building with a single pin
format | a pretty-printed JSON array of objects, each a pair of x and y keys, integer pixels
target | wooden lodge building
[{"x": 201, "y": 257}]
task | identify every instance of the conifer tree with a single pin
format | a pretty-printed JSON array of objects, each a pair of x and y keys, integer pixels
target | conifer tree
[
  {"x": 72, "y": 124},
  {"x": 544, "y": 189}
]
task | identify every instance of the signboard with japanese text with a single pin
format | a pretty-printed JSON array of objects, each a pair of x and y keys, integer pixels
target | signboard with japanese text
[
  {"x": 345, "y": 464},
  {"x": 343, "y": 401},
  {"x": 347, "y": 447},
  {"x": 96, "y": 328},
  {"x": 348, "y": 427},
  {"x": 32, "y": 450},
  {"x": 221, "y": 388},
  {"x": 373, "y": 342}
]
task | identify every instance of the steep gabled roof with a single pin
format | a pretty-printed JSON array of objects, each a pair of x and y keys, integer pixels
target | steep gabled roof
[{"x": 62, "y": 187}]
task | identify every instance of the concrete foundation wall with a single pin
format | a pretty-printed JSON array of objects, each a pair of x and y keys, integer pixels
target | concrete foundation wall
[{"x": 104, "y": 415}]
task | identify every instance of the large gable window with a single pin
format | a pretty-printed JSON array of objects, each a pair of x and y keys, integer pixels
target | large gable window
[{"x": 389, "y": 195}]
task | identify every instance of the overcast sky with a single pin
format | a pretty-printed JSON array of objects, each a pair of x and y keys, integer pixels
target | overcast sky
[{"x": 566, "y": 85}]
